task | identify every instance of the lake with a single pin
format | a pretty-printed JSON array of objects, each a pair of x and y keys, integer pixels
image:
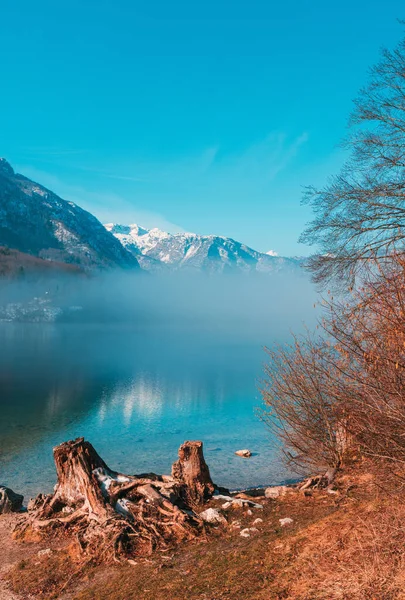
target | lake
[
  {"x": 185, "y": 367},
  {"x": 136, "y": 395}
]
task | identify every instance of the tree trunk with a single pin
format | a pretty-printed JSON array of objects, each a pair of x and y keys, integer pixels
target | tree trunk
[
  {"x": 76, "y": 464},
  {"x": 193, "y": 471}
]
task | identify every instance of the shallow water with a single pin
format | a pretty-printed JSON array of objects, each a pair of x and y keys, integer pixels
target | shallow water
[{"x": 136, "y": 395}]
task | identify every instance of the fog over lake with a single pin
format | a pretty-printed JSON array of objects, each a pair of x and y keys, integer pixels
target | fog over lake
[{"x": 154, "y": 362}]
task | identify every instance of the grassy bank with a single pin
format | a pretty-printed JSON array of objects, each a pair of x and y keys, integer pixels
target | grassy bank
[{"x": 344, "y": 545}]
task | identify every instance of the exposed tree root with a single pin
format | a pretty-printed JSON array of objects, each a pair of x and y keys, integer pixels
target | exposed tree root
[
  {"x": 114, "y": 516},
  {"x": 320, "y": 481}
]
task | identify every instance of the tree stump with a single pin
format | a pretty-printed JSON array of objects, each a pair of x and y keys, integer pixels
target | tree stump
[
  {"x": 113, "y": 515},
  {"x": 192, "y": 470},
  {"x": 76, "y": 464}
]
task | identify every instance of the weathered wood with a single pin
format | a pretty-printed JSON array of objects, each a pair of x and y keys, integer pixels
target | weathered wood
[
  {"x": 76, "y": 461},
  {"x": 114, "y": 515},
  {"x": 192, "y": 470}
]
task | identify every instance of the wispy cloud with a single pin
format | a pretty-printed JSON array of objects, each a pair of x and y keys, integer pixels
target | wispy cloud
[
  {"x": 222, "y": 175},
  {"x": 213, "y": 186},
  {"x": 260, "y": 162}
]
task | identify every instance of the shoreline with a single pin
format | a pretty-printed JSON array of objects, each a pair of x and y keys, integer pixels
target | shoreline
[{"x": 262, "y": 553}]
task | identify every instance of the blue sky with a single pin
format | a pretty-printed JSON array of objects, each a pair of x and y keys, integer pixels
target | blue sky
[{"x": 196, "y": 116}]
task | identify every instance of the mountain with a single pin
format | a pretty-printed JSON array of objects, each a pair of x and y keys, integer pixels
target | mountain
[
  {"x": 35, "y": 221},
  {"x": 159, "y": 250}
]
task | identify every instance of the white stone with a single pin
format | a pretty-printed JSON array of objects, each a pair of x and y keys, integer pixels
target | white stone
[
  {"x": 241, "y": 502},
  {"x": 276, "y": 491},
  {"x": 222, "y": 497},
  {"x": 257, "y": 521},
  {"x": 237, "y": 503},
  {"x": 248, "y": 531},
  {"x": 46, "y": 552},
  {"x": 211, "y": 515},
  {"x": 286, "y": 522},
  {"x": 227, "y": 505}
]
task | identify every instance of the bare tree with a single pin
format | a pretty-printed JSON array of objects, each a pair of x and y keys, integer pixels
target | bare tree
[
  {"x": 369, "y": 335},
  {"x": 360, "y": 213},
  {"x": 349, "y": 385},
  {"x": 301, "y": 404}
]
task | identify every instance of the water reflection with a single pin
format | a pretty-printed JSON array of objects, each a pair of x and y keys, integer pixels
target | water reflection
[{"x": 136, "y": 395}]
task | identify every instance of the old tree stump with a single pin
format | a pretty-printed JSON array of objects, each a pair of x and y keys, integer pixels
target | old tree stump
[{"x": 112, "y": 515}]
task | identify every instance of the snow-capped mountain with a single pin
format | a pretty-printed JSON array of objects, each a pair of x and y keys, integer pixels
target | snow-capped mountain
[
  {"x": 156, "y": 249},
  {"x": 36, "y": 221}
]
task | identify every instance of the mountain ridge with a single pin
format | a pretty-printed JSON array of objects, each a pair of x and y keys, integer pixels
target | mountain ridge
[
  {"x": 159, "y": 250},
  {"x": 34, "y": 220}
]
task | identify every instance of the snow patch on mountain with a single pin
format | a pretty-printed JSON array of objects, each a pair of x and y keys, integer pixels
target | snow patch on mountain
[{"x": 156, "y": 249}]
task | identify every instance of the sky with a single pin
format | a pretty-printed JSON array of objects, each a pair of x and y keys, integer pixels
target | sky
[{"x": 208, "y": 116}]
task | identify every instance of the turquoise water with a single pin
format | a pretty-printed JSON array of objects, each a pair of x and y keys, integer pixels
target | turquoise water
[{"x": 136, "y": 394}]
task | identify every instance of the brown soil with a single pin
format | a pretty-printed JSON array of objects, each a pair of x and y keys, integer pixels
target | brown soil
[
  {"x": 14, "y": 556},
  {"x": 9, "y": 554}
]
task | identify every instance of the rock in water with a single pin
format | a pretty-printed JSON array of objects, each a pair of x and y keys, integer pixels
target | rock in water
[
  {"x": 9, "y": 500},
  {"x": 244, "y": 453}
]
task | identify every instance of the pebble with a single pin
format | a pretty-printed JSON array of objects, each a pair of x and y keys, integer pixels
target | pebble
[
  {"x": 248, "y": 531},
  {"x": 276, "y": 491},
  {"x": 245, "y": 532},
  {"x": 286, "y": 522},
  {"x": 211, "y": 515}
]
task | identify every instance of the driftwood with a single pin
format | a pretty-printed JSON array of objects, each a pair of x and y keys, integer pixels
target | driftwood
[
  {"x": 320, "y": 481},
  {"x": 113, "y": 515}
]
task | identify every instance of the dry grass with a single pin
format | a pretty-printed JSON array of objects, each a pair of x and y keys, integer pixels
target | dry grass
[
  {"x": 349, "y": 546},
  {"x": 358, "y": 554},
  {"x": 43, "y": 577}
]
